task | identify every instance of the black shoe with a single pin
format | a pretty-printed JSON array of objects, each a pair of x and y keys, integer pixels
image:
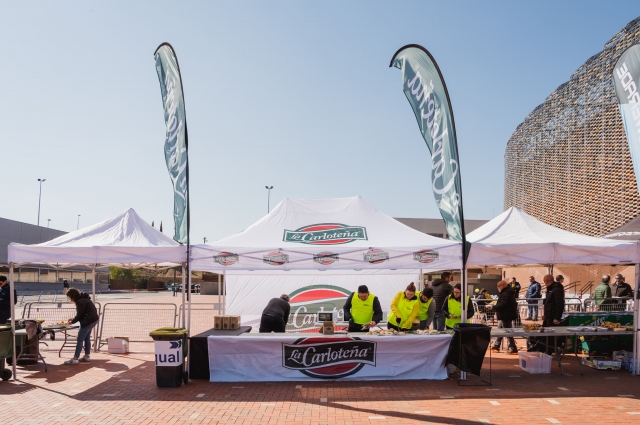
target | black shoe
[{"x": 512, "y": 352}]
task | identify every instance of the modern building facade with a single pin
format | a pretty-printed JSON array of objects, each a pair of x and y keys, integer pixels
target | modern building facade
[{"x": 568, "y": 164}]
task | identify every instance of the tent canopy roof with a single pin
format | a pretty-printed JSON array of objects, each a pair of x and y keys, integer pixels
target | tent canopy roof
[
  {"x": 297, "y": 231},
  {"x": 125, "y": 240},
  {"x": 516, "y": 238},
  {"x": 628, "y": 231}
]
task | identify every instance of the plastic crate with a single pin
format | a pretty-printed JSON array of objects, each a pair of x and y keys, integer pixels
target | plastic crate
[{"x": 535, "y": 362}]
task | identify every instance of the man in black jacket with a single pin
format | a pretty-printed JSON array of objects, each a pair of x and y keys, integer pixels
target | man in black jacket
[
  {"x": 506, "y": 309},
  {"x": 620, "y": 288},
  {"x": 365, "y": 310},
  {"x": 553, "y": 302},
  {"x": 441, "y": 290},
  {"x": 275, "y": 315},
  {"x": 5, "y": 300}
]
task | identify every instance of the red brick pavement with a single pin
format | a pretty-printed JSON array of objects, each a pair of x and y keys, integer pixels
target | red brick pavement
[{"x": 120, "y": 389}]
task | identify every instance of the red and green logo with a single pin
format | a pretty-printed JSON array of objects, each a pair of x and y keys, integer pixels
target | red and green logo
[
  {"x": 275, "y": 258},
  {"x": 308, "y": 301},
  {"x": 226, "y": 258},
  {"x": 328, "y": 358},
  {"x": 325, "y": 258},
  {"x": 376, "y": 256},
  {"x": 426, "y": 256},
  {"x": 326, "y": 234}
]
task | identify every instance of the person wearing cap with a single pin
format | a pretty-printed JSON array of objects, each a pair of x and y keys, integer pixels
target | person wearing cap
[
  {"x": 275, "y": 315},
  {"x": 362, "y": 310},
  {"x": 404, "y": 308},
  {"x": 426, "y": 309}
]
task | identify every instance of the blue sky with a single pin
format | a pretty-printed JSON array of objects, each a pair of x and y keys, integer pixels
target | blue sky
[{"x": 293, "y": 94}]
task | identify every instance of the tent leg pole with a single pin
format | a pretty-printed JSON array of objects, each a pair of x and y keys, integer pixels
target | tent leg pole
[
  {"x": 182, "y": 323},
  {"x": 224, "y": 280},
  {"x": 219, "y": 296},
  {"x": 463, "y": 298},
  {"x": 189, "y": 315},
  {"x": 636, "y": 324},
  {"x": 93, "y": 289},
  {"x": 13, "y": 319}
]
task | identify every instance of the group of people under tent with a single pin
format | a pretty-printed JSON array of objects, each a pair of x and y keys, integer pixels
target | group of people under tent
[{"x": 410, "y": 309}]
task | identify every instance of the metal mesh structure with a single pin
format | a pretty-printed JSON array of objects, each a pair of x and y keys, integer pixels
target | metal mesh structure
[
  {"x": 568, "y": 164},
  {"x": 135, "y": 321}
]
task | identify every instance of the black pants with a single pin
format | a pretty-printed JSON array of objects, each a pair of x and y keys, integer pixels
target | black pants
[
  {"x": 271, "y": 324},
  {"x": 506, "y": 324}
]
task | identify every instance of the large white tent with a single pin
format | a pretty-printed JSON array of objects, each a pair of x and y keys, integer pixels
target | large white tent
[
  {"x": 125, "y": 240},
  {"x": 327, "y": 234},
  {"x": 516, "y": 238}
]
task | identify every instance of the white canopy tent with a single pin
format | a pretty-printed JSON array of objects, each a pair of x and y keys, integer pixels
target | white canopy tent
[
  {"x": 125, "y": 241},
  {"x": 327, "y": 234},
  {"x": 516, "y": 238},
  {"x": 321, "y": 241}
]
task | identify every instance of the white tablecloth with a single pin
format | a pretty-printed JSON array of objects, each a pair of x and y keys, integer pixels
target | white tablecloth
[{"x": 300, "y": 357}]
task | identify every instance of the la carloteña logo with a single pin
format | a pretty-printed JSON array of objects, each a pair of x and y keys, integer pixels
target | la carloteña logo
[
  {"x": 226, "y": 258},
  {"x": 275, "y": 258},
  {"x": 308, "y": 301},
  {"x": 325, "y": 258},
  {"x": 426, "y": 256},
  {"x": 376, "y": 256},
  {"x": 328, "y": 358},
  {"x": 326, "y": 234}
]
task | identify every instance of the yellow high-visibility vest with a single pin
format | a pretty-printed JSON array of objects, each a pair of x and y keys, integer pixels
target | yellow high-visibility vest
[
  {"x": 455, "y": 309},
  {"x": 362, "y": 311}
]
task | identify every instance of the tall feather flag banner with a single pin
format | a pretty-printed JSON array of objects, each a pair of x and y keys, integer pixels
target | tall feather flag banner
[
  {"x": 176, "y": 143},
  {"x": 626, "y": 80},
  {"x": 424, "y": 87}
]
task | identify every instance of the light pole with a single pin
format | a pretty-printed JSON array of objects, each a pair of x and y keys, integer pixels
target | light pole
[
  {"x": 268, "y": 197},
  {"x": 39, "y": 198},
  {"x": 78, "y": 225},
  {"x": 48, "y": 222}
]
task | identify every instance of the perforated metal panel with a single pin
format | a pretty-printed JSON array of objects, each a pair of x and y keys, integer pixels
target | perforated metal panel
[{"x": 568, "y": 163}]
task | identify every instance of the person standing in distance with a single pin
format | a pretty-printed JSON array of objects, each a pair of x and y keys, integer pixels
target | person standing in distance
[
  {"x": 362, "y": 308},
  {"x": 534, "y": 291},
  {"x": 515, "y": 285},
  {"x": 507, "y": 311},
  {"x": 553, "y": 302},
  {"x": 441, "y": 290},
  {"x": 275, "y": 315},
  {"x": 620, "y": 288},
  {"x": 65, "y": 286}
]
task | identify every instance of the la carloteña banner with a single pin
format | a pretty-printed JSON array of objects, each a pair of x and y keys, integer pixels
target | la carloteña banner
[
  {"x": 176, "y": 142},
  {"x": 424, "y": 87},
  {"x": 626, "y": 80}
]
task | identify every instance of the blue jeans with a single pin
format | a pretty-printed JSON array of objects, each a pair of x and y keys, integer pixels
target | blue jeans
[
  {"x": 84, "y": 336},
  {"x": 533, "y": 311},
  {"x": 438, "y": 321}
]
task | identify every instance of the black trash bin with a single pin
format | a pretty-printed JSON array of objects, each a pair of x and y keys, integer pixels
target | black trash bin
[
  {"x": 170, "y": 352},
  {"x": 468, "y": 347}
]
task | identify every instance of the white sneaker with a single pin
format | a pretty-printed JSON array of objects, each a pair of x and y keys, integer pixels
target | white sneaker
[
  {"x": 72, "y": 361},
  {"x": 85, "y": 359}
]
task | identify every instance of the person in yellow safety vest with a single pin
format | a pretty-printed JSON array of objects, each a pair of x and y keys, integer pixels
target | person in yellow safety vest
[
  {"x": 452, "y": 308},
  {"x": 404, "y": 308},
  {"x": 426, "y": 309},
  {"x": 362, "y": 308}
]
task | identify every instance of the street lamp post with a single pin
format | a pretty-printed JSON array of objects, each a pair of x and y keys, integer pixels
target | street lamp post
[
  {"x": 78, "y": 225},
  {"x": 39, "y": 198},
  {"x": 268, "y": 197}
]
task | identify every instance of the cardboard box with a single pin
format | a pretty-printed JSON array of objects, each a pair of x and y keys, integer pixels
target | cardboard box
[
  {"x": 118, "y": 345},
  {"x": 218, "y": 322},
  {"x": 601, "y": 363},
  {"x": 230, "y": 322},
  {"x": 327, "y": 328}
]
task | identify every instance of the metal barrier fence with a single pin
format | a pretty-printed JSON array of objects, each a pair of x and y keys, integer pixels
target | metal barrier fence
[
  {"x": 614, "y": 305},
  {"x": 488, "y": 317},
  {"x": 135, "y": 320},
  {"x": 201, "y": 316},
  {"x": 40, "y": 296}
]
